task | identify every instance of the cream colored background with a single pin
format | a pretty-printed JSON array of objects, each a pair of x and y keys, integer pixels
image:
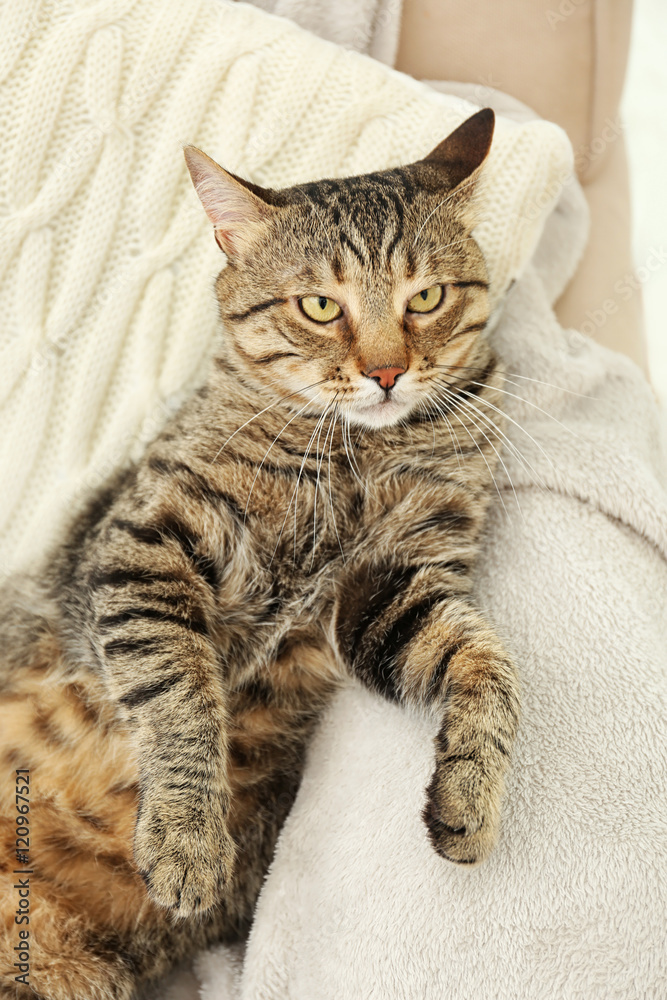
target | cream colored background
[{"x": 643, "y": 111}]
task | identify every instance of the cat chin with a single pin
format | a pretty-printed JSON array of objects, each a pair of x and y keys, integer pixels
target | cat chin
[{"x": 376, "y": 415}]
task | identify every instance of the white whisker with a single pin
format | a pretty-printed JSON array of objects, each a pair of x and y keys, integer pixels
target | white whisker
[
  {"x": 296, "y": 488},
  {"x": 318, "y": 465},
  {"x": 512, "y": 421},
  {"x": 537, "y": 478},
  {"x": 266, "y": 409},
  {"x": 354, "y": 468},
  {"x": 534, "y": 405},
  {"x": 319, "y": 222},
  {"x": 454, "y": 413},
  {"x": 461, "y": 187},
  {"x": 266, "y": 453},
  {"x": 500, "y": 434},
  {"x": 509, "y": 375},
  {"x": 422, "y": 406},
  {"x": 333, "y": 513}
]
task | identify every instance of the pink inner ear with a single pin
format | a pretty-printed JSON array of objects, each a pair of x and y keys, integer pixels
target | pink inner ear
[{"x": 233, "y": 210}]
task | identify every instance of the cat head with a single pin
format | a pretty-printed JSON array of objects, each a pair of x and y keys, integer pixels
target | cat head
[{"x": 359, "y": 292}]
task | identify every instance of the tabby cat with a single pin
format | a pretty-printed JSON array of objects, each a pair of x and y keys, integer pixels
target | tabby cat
[{"x": 313, "y": 513}]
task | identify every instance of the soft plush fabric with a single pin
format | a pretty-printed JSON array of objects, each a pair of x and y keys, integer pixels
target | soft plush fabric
[{"x": 106, "y": 258}]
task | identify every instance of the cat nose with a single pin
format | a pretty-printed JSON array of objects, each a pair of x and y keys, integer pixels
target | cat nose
[{"x": 385, "y": 377}]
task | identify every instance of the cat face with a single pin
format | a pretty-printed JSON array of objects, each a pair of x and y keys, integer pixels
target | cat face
[{"x": 355, "y": 293}]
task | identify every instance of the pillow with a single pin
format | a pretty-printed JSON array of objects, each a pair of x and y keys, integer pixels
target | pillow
[{"x": 107, "y": 259}]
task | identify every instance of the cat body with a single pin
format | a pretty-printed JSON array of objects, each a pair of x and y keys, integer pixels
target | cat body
[{"x": 312, "y": 514}]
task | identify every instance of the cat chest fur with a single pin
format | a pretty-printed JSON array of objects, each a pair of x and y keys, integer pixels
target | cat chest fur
[{"x": 274, "y": 559}]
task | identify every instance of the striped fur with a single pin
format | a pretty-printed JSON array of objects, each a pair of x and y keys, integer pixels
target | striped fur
[{"x": 295, "y": 524}]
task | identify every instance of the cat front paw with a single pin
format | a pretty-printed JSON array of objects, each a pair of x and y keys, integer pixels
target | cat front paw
[
  {"x": 185, "y": 857},
  {"x": 462, "y": 811}
]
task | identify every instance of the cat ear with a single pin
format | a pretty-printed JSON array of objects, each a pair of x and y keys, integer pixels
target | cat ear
[
  {"x": 234, "y": 206},
  {"x": 462, "y": 152}
]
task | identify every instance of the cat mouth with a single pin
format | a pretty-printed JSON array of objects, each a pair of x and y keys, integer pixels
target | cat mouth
[{"x": 381, "y": 413}]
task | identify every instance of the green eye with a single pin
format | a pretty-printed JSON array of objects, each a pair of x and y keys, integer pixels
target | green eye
[
  {"x": 426, "y": 300},
  {"x": 319, "y": 308}
]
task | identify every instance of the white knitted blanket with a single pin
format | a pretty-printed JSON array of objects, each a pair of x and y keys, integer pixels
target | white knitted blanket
[{"x": 106, "y": 258}]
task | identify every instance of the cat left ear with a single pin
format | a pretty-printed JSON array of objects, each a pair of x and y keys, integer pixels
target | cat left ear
[
  {"x": 464, "y": 151},
  {"x": 233, "y": 205}
]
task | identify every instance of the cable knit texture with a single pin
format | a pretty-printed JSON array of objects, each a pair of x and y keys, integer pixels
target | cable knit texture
[{"x": 106, "y": 258}]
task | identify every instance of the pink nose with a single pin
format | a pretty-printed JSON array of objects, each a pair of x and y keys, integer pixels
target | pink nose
[{"x": 385, "y": 376}]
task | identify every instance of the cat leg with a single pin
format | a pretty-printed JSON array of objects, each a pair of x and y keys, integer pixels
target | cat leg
[
  {"x": 86, "y": 906},
  {"x": 272, "y": 720},
  {"x": 152, "y": 612},
  {"x": 426, "y": 649},
  {"x": 94, "y": 931},
  {"x": 67, "y": 958},
  {"x": 474, "y": 687}
]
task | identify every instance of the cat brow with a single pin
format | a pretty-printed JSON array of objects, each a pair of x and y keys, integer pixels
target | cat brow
[{"x": 234, "y": 317}]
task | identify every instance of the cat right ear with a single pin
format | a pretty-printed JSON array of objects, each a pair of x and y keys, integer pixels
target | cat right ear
[
  {"x": 236, "y": 212},
  {"x": 463, "y": 152}
]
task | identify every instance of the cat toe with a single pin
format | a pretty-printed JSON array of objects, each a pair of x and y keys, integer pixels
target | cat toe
[
  {"x": 462, "y": 812},
  {"x": 184, "y": 870},
  {"x": 186, "y": 884}
]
